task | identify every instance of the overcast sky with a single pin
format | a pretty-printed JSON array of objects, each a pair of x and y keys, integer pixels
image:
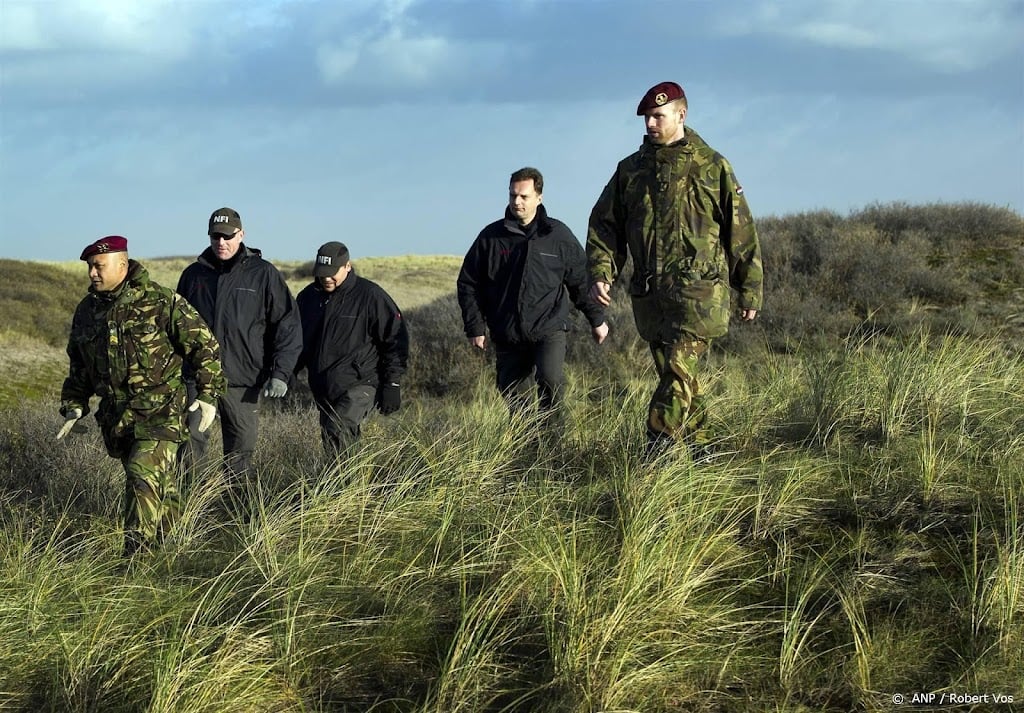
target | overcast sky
[{"x": 393, "y": 125}]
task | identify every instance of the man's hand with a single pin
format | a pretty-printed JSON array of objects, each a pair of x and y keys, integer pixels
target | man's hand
[
  {"x": 601, "y": 292},
  {"x": 748, "y": 315},
  {"x": 478, "y": 342},
  {"x": 600, "y": 332},
  {"x": 275, "y": 388},
  {"x": 207, "y": 412},
  {"x": 390, "y": 398},
  {"x": 71, "y": 417}
]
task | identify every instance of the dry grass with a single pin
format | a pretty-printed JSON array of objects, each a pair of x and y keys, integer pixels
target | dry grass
[
  {"x": 31, "y": 368},
  {"x": 458, "y": 562}
]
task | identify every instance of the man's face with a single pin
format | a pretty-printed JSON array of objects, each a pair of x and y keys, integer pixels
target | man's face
[
  {"x": 225, "y": 246},
  {"x": 665, "y": 123},
  {"x": 523, "y": 199},
  {"x": 330, "y": 283},
  {"x": 107, "y": 270}
]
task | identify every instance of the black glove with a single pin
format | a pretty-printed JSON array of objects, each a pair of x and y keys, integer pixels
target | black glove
[{"x": 389, "y": 398}]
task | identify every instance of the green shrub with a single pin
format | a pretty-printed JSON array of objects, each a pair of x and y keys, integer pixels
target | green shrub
[{"x": 891, "y": 269}]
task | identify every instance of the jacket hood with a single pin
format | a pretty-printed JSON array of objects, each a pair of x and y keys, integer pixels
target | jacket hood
[{"x": 137, "y": 273}]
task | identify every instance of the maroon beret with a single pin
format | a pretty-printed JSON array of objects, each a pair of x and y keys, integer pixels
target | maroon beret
[
  {"x": 660, "y": 95},
  {"x": 109, "y": 244}
]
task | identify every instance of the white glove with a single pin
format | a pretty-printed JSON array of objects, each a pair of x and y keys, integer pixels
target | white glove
[
  {"x": 208, "y": 412},
  {"x": 72, "y": 417}
]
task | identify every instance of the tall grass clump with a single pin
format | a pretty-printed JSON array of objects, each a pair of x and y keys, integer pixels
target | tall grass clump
[
  {"x": 462, "y": 560},
  {"x": 854, "y": 531},
  {"x": 459, "y": 561}
]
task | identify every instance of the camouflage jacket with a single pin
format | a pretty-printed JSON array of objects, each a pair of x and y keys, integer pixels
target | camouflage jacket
[
  {"x": 128, "y": 347},
  {"x": 681, "y": 214}
]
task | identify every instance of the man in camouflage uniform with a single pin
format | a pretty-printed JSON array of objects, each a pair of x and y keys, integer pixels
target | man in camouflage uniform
[
  {"x": 676, "y": 208},
  {"x": 129, "y": 339}
]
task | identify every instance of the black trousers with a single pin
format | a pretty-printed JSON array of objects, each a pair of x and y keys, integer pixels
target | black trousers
[
  {"x": 544, "y": 360},
  {"x": 341, "y": 419},
  {"x": 238, "y": 409}
]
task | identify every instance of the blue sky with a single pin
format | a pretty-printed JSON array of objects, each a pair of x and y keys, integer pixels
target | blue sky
[{"x": 393, "y": 125}]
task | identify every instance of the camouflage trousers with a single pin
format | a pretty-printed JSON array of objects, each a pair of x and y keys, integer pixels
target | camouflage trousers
[
  {"x": 677, "y": 409},
  {"x": 151, "y": 501}
]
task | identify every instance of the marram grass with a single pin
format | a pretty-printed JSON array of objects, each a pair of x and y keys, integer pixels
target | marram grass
[{"x": 859, "y": 534}]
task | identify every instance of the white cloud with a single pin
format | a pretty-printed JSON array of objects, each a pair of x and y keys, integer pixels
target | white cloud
[
  {"x": 390, "y": 46},
  {"x": 69, "y": 49},
  {"x": 66, "y": 49},
  {"x": 20, "y": 27},
  {"x": 837, "y": 34},
  {"x": 951, "y": 35},
  {"x": 412, "y": 58},
  {"x": 150, "y": 27},
  {"x": 336, "y": 62},
  {"x": 393, "y": 57}
]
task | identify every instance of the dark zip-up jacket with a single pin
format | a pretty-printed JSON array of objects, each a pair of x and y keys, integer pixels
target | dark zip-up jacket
[
  {"x": 520, "y": 285},
  {"x": 248, "y": 306},
  {"x": 354, "y": 335}
]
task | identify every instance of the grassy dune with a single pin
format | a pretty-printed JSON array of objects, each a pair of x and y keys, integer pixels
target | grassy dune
[
  {"x": 852, "y": 541},
  {"x": 413, "y": 280},
  {"x": 859, "y": 534}
]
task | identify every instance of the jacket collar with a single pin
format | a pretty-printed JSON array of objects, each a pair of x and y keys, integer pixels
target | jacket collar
[
  {"x": 541, "y": 220},
  {"x": 212, "y": 261},
  {"x": 344, "y": 288},
  {"x": 690, "y": 142}
]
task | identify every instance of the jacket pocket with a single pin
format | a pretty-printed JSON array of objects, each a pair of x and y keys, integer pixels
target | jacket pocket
[
  {"x": 157, "y": 413},
  {"x": 700, "y": 308},
  {"x": 140, "y": 341},
  {"x": 550, "y": 271}
]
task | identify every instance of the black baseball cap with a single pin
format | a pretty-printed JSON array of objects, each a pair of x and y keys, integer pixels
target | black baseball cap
[
  {"x": 224, "y": 221},
  {"x": 330, "y": 258}
]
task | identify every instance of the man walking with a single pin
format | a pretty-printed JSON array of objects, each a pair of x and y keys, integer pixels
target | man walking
[
  {"x": 246, "y": 302},
  {"x": 517, "y": 281},
  {"x": 356, "y": 347},
  {"x": 130, "y": 338},
  {"x": 676, "y": 208}
]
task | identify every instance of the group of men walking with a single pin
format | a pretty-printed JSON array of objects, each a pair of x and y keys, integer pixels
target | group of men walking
[
  {"x": 165, "y": 363},
  {"x": 231, "y": 334}
]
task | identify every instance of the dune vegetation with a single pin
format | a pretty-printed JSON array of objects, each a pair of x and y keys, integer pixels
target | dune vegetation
[{"x": 857, "y": 535}]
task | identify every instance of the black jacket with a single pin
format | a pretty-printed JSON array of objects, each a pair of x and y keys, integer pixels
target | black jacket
[
  {"x": 246, "y": 303},
  {"x": 520, "y": 285},
  {"x": 353, "y": 335}
]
